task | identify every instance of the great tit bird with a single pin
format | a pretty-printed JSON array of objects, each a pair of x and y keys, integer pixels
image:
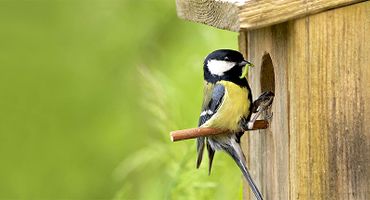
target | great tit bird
[{"x": 227, "y": 105}]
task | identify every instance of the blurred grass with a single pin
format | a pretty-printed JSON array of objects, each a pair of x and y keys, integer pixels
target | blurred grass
[{"x": 89, "y": 90}]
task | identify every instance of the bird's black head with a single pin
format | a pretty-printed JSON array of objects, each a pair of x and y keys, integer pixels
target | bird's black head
[{"x": 225, "y": 64}]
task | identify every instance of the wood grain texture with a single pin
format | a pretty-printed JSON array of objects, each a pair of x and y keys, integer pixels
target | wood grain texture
[
  {"x": 318, "y": 145},
  {"x": 243, "y": 48},
  {"x": 251, "y": 14},
  {"x": 269, "y": 149},
  {"x": 261, "y": 13},
  {"x": 219, "y": 14}
]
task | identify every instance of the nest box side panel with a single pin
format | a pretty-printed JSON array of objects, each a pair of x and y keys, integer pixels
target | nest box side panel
[
  {"x": 329, "y": 116},
  {"x": 268, "y": 150},
  {"x": 318, "y": 145}
]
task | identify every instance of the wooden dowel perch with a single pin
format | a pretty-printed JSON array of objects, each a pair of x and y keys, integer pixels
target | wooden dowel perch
[{"x": 199, "y": 132}]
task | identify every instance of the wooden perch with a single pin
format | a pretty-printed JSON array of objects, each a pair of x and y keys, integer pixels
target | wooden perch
[{"x": 199, "y": 132}]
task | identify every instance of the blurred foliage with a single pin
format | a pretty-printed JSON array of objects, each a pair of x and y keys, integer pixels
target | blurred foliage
[{"x": 89, "y": 90}]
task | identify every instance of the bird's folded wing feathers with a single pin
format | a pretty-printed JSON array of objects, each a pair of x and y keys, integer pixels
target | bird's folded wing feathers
[{"x": 213, "y": 96}]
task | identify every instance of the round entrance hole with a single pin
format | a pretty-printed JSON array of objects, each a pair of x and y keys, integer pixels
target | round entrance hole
[{"x": 267, "y": 79}]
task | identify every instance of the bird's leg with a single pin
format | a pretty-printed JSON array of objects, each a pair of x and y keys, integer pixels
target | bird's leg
[
  {"x": 254, "y": 118},
  {"x": 268, "y": 113},
  {"x": 262, "y": 104}
]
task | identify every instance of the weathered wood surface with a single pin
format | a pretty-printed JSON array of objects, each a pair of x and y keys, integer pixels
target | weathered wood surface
[
  {"x": 261, "y": 13},
  {"x": 251, "y": 14},
  {"x": 211, "y": 12},
  {"x": 318, "y": 144}
]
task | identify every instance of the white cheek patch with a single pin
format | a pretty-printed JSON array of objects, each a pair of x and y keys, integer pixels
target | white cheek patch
[{"x": 219, "y": 67}]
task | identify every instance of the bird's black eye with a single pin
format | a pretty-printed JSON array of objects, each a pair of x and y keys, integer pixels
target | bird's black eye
[{"x": 227, "y": 58}]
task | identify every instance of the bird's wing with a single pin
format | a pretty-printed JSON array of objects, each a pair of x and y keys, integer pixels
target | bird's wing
[{"x": 213, "y": 96}]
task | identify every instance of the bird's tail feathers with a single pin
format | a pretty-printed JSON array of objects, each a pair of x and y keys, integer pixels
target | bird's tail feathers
[
  {"x": 200, "y": 149},
  {"x": 211, "y": 154},
  {"x": 235, "y": 152}
]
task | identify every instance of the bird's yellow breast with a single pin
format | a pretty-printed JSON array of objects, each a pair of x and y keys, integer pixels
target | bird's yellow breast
[{"x": 234, "y": 106}]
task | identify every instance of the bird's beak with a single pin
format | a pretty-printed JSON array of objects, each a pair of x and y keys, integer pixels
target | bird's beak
[
  {"x": 243, "y": 63},
  {"x": 246, "y": 65}
]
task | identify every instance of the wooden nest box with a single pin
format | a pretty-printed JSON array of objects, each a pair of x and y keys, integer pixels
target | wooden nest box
[{"x": 315, "y": 56}]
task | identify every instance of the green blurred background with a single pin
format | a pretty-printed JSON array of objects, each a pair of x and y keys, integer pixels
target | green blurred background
[{"x": 89, "y": 90}]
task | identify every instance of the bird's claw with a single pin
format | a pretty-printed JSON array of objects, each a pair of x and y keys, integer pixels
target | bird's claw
[
  {"x": 262, "y": 105},
  {"x": 268, "y": 115}
]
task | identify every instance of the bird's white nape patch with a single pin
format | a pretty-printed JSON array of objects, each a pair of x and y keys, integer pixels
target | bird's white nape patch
[{"x": 219, "y": 67}]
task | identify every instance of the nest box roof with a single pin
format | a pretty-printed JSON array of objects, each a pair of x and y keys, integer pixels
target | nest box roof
[{"x": 236, "y": 15}]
